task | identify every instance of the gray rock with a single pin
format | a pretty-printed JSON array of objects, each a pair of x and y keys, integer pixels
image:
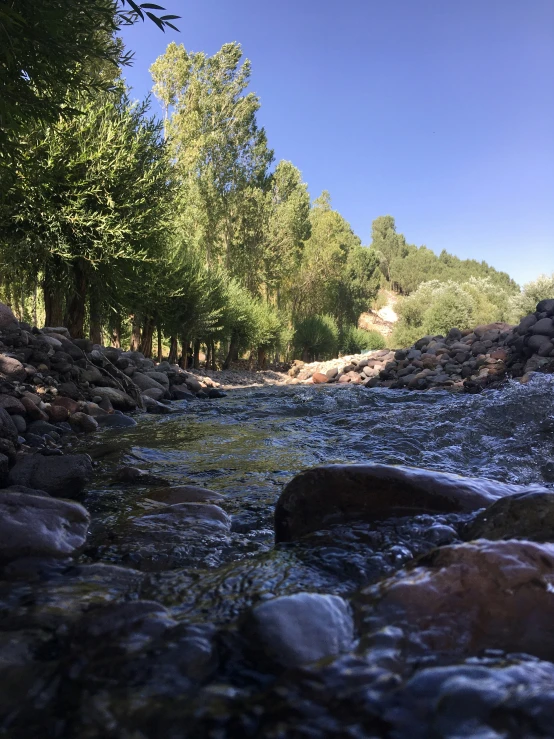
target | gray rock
[
  {"x": 521, "y": 516},
  {"x": 19, "y": 423},
  {"x": 178, "y": 393},
  {"x": 544, "y": 327},
  {"x": 184, "y": 494},
  {"x": 153, "y": 392},
  {"x": 83, "y": 422},
  {"x": 298, "y": 629},
  {"x": 4, "y": 467},
  {"x": 8, "y": 429},
  {"x": 536, "y": 341},
  {"x": 7, "y": 318},
  {"x": 38, "y": 526},
  {"x": 160, "y": 377},
  {"x": 62, "y": 477},
  {"x": 322, "y": 496},
  {"x": 116, "y": 421},
  {"x": 193, "y": 384},
  {"x": 42, "y": 428},
  {"x": 11, "y": 404},
  {"x": 144, "y": 382},
  {"x": 546, "y": 306},
  {"x": 154, "y": 406},
  {"x": 117, "y": 398}
]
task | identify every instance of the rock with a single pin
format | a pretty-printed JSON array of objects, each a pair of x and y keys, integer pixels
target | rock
[
  {"x": 184, "y": 494},
  {"x": 117, "y": 398},
  {"x": 521, "y": 516},
  {"x": 136, "y": 476},
  {"x": 144, "y": 382},
  {"x": 179, "y": 393},
  {"x": 20, "y": 424},
  {"x": 11, "y": 368},
  {"x": 39, "y": 526},
  {"x": 8, "y": 429},
  {"x": 160, "y": 377},
  {"x": 154, "y": 406},
  {"x": 72, "y": 406},
  {"x": 546, "y": 306},
  {"x": 545, "y": 327},
  {"x": 193, "y": 384},
  {"x": 465, "y": 598},
  {"x": 319, "y": 378},
  {"x": 214, "y": 393},
  {"x": 156, "y": 393},
  {"x": 83, "y": 422},
  {"x": 4, "y": 467},
  {"x": 70, "y": 390},
  {"x": 42, "y": 428},
  {"x": 332, "y": 373},
  {"x": 92, "y": 375},
  {"x": 322, "y": 496},
  {"x": 7, "y": 318},
  {"x": 11, "y": 404},
  {"x": 62, "y": 477},
  {"x": 536, "y": 341},
  {"x": 115, "y": 420},
  {"x": 57, "y": 413},
  {"x": 297, "y": 629},
  {"x": 32, "y": 410}
]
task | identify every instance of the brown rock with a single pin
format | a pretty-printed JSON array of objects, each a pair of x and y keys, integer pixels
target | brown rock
[
  {"x": 319, "y": 378},
  {"x": 32, "y": 410},
  {"x": 83, "y": 422},
  {"x": 12, "y": 405},
  {"x": 469, "y": 597},
  {"x": 499, "y": 354},
  {"x": 322, "y": 496},
  {"x": 72, "y": 406},
  {"x": 344, "y": 378},
  {"x": 12, "y": 368},
  {"x": 57, "y": 413}
]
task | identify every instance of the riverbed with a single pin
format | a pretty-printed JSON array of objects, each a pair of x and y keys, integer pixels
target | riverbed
[{"x": 185, "y": 665}]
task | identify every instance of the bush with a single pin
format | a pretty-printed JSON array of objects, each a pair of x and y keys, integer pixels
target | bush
[
  {"x": 533, "y": 292},
  {"x": 316, "y": 337},
  {"x": 357, "y": 340}
]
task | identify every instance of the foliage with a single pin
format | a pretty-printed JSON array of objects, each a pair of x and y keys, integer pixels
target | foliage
[
  {"x": 316, "y": 337},
  {"x": 533, "y": 292},
  {"x": 436, "y": 307},
  {"x": 357, "y": 340},
  {"x": 52, "y": 51}
]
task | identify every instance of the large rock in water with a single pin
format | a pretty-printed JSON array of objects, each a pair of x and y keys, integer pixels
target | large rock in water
[
  {"x": 62, "y": 477},
  {"x": 323, "y": 496},
  {"x": 117, "y": 398},
  {"x": 521, "y": 516},
  {"x": 469, "y": 597},
  {"x": 37, "y": 526},
  {"x": 298, "y": 629}
]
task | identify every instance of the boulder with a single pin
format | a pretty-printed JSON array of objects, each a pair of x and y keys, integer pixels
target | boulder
[
  {"x": 154, "y": 406},
  {"x": 179, "y": 393},
  {"x": 184, "y": 494},
  {"x": 136, "y": 476},
  {"x": 465, "y": 598},
  {"x": 160, "y": 377},
  {"x": 83, "y": 422},
  {"x": 117, "y": 398},
  {"x": 144, "y": 382},
  {"x": 298, "y": 629},
  {"x": 39, "y": 526},
  {"x": 193, "y": 384},
  {"x": 7, "y": 318},
  {"x": 156, "y": 393},
  {"x": 64, "y": 476},
  {"x": 11, "y": 404},
  {"x": 72, "y": 406},
  {"x": 11, "y": 368},
  {"x": 521, "y": 516},
  {"x": 8, "y": 429},
  {"x": 322, "y": 496},
  {"x": 57, "y": 413},
  {"x": 319, "y": 378},
  {"x": 116, "y": 420}
]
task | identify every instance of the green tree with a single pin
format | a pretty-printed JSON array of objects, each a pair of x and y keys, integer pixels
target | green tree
[{"x": 533, "y": 292}]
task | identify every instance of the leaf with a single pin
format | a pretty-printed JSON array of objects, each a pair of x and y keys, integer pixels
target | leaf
[{"x": 151, "y": 6}]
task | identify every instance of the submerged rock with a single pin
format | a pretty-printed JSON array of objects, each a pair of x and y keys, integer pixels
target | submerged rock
[
  {"x": 184, "y": 494},
  {"x": 298, "y": 629},
  {"x": 322, "y": 496},
  {"x": 521, "y": 516},
  {"x": 64, "y": 476},
  {"x": 116, "y": 420},
  {"x": 40, "y": 526},
  {"x": 464, "y": 598}
]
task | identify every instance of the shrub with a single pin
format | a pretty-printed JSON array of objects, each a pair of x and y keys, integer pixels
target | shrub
[
  {"x": 316, "y": 337},
  {"x": 357, "y": 340}
]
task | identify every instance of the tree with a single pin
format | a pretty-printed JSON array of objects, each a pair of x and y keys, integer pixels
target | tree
[
  {"x": 219, "y": 151},
  {"x": 388, "y": 244},
  {"x": 92, "y": 197},
  {"x": 50, "y": 51},
  {"x": 533, "y": 292}
]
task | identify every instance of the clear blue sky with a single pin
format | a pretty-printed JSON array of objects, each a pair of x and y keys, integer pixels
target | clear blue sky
[{"x": 438, "y": 112}]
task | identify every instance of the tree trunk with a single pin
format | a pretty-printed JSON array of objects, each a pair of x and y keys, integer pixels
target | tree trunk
[
  {"x": 135, "y": 333},
  {"x": 208, "y": 354},
  {"x": 35, "y": 301},
  {"x": 75, "y": 308},
  {"x": 160, "y": 346},
  {"x": 183, "y": 361},
  {"x": 53, "y": 305},
  {"x": 173, "y": 350},
  {"x": 95, "y": 318},
  {"x": 196, "y": 354},
  {"x": 147, "y": 335},
  {"x": 233, "y": 348},
  {"x": 116, "y": 335},
  {"x": 212, "y": 346},
  {"x": 262, "y": 358}
]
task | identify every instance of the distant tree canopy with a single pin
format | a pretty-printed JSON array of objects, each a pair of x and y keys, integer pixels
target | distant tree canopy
[
  {"x": 405, "y": 266},
  {"x": 533, "y": 292}
]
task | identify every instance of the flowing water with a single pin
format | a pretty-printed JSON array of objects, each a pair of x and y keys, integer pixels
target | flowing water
[{"x": 188, "y": 671}]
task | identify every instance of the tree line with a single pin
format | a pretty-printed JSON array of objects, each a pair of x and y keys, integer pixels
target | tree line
[{"x": 175, "y": 234}]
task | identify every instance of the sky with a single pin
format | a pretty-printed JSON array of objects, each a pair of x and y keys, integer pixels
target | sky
[{"x": 437, "y": 112}]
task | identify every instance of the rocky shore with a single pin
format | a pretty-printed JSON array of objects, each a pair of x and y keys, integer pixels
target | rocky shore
[{"x": 466, "y": 361}]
